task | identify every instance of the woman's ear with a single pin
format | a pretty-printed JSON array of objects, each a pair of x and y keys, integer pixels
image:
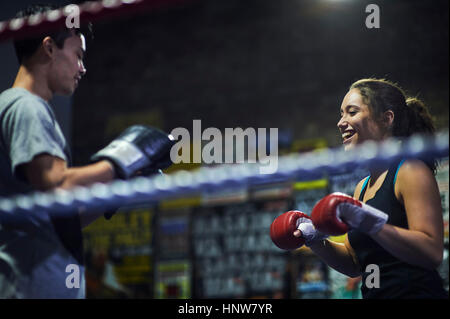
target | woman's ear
[{"x": 388, "y": 119}]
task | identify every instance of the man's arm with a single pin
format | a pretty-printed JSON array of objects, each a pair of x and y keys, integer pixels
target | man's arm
[{"x": 46, "y": 172}]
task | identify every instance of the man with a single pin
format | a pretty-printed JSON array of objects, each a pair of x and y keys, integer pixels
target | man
[{"x": 36, "y": 253}]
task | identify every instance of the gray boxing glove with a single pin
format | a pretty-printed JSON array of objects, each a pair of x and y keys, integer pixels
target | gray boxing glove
[{"x": 138, "y": 148}]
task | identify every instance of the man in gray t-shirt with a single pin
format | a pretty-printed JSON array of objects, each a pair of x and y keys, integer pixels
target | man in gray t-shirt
[
  {"x": 41, "y": 253},
  {"x": 28, "y": 129}
]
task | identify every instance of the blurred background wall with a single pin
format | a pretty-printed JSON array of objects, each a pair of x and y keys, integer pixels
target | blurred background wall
[
  {"x": 251, "y": 63},
  {"x": 257, "y": 63}
]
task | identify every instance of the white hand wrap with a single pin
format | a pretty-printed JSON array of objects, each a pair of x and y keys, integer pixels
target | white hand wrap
[
  {"x": 126, "y": 156},
  {"x": 366, "y": 219},
  {"x": 309, "y": 232}
]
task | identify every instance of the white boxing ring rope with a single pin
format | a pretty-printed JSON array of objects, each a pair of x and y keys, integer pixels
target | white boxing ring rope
[{"x": 294, "y": 167}]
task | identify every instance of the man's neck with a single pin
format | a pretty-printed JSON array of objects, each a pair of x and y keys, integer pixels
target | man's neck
[{"x": 34, "y": 82}]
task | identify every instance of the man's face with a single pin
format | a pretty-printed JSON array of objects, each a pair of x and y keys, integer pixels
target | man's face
[{"x": 67, "y": 66}]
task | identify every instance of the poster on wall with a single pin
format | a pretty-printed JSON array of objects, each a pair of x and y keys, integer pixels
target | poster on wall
[
  {"x": 172, "y": 233},
  {"x": 233, "y": 254},
  {"x": 119, "y": 256},
  {"x": 173, "y": 280}
]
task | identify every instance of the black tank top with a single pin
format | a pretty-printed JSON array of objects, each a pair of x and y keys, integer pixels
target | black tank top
[{"x": 397, "y": 278}]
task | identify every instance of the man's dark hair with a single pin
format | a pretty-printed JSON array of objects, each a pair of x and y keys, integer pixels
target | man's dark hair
[{"x": 26, "y": 47}]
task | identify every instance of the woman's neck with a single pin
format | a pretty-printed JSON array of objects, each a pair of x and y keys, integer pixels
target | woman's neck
[{"x": 375, "y": 173}]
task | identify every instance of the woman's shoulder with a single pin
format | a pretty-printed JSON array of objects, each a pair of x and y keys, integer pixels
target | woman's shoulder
[
  {"x": 413, "y": 167},
  {"x": 414, "y": 173}
]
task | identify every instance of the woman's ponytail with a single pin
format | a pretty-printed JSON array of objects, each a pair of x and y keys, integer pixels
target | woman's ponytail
[{"x": 420, "y": 120}]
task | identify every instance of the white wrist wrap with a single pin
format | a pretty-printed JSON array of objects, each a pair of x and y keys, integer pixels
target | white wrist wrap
[
  {"x": 125, "y": 155},
  {"x": 366, "y": 219},
  {"x": 309, "y": 232}
]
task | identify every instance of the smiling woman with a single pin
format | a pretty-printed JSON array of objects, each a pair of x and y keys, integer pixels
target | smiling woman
[
  {"x": 356, "y": 123},
  {"x": 375, "y": 109},
  {"x": 395, "y": 219}
]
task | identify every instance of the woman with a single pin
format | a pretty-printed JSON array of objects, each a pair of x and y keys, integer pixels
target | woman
[{"x": 407, "y": 245}]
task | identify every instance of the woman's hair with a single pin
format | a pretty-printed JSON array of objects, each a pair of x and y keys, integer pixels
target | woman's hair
[{"x": 411, "y": 115}]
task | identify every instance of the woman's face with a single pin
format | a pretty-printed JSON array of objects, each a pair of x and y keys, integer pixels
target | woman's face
[{"x": 356, "y": 124}]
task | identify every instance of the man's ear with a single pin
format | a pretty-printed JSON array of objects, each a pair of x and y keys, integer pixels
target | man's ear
[{"x": 48, "y": 45}]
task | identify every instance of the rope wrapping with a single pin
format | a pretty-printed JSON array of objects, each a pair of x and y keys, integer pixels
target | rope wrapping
[{"x": 90, "y": 11}]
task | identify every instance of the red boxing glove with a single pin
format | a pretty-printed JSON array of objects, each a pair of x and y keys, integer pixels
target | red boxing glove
[
  {"x": 324, "y": 214},
  {"x": 282, "y": 230},
  {"x": 336, "y": 213}
]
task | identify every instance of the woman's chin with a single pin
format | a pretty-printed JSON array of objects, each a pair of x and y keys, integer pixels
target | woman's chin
[{"x": 349, "y": 146}]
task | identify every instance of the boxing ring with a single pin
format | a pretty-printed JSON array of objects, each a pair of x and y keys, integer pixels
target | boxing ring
[{"x": 145, "y": 191}]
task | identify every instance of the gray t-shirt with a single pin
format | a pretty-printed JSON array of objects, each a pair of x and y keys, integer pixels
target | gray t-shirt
[{"x": 40, "y": 253}]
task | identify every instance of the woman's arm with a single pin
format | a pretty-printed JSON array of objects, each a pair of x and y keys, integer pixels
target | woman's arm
[
  {"x": 422, "y": 243},
  {"x": 340, "y": 257}
]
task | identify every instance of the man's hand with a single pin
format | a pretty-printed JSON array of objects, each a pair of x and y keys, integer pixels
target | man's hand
[{"x": 138, "y": 149}]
